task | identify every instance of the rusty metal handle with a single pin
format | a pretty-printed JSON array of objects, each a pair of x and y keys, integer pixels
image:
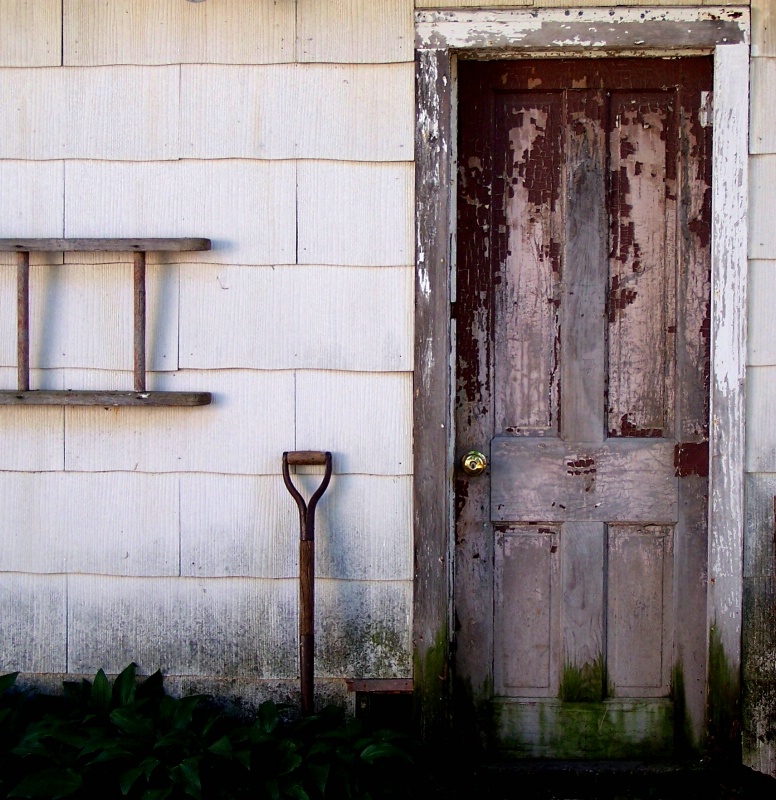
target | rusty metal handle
[{"x": 306, "y": 566}]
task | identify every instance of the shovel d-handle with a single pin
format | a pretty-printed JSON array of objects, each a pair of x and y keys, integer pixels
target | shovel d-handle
[{"x": 306, "y": 564}]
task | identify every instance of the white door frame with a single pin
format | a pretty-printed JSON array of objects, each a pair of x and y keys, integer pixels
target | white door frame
[{"x": 441, "y": 37}]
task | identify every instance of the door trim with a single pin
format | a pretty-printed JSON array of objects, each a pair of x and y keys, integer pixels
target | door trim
[{"x": 442, "y": 37}]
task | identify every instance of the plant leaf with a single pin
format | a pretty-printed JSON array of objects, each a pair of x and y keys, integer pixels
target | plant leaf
[
  {"x": 48, "y": 783},
  {"x": 267, "y": 717},
  {"x": 222, "y": 747},
  {"x": 379, "y": 750},
  {"x": 157, "y": 794},
  {"x": 151, "y": 687},
  {"x": 101, "y": 692},
  {"x": 320, "y": 775},
  {"x": 7, "y": 681},
  {"x": 187, "y": 775},
  {"x": 129, "y": 721},
  {"x": 124, "y": 686},
  {"x": 296, "y": 791},
  {"x": 184, "y": 710},
  {"x": 127, "y": 779}
]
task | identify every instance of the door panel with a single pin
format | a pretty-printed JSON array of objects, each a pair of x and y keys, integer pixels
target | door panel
[{"x": 581, "y": 323}]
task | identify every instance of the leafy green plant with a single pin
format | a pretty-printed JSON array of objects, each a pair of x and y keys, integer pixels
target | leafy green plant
[{"x": 131, "y": 740}]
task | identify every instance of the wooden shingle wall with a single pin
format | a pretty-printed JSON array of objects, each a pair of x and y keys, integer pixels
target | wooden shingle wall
[
  {"x": 283, "y": 131},
  {"x": 759, "y": 656}
]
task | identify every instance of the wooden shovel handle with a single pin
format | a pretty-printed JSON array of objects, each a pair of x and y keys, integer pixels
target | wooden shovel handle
[{"x": 304, "y": 458}]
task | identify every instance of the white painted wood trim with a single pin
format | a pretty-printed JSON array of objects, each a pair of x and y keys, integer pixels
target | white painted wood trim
[
  {"x": 728, "y": 344},
  {"x": 585, "y": 28}
]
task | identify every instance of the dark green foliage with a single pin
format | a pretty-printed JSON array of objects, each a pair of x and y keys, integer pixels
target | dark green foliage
[{"x": 130, "y": 740}]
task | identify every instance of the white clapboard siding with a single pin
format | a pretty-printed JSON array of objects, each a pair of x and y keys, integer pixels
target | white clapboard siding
[
  {"x": 357, "y": 31},
  {"x": 365, "y": 419},
  {"x": 763, "y": 28},
  {"x": 32, "y": 439},
  {"x": 762, "y": 135},
  {"x": 172, "y": 32},
  {"x": 30, "y": 33},
  {"x": 355, "y": 214},
  {"x": 245, "y": 207},
  {"x": 32, "y": 200},
  {"x": 249, "y": 527},
  {"x": 31, "y": 196},
  {"x": 349, "y": 318},
  {"x": 219, "y": 627},
  {"x": 762, "y": 301},
  {"x": 81, "y": 316},
  {"x": 760, "y": 412},
  {"x": 33, "y": 623},
  {"x": 245, "y": 430},
  {"x": 238, "y": 111},
  {"x": 368, "y": 113},
  {"x": 762, "y": 199},
  {"x": 759, "y": 545},
  {"x": 118, "y": 113},
  {"x": 238, "y": 526},
  {"x": 363, "y": 629},
  {"x": 326, "y": 111},
  {"x": 110, "y": 523}
]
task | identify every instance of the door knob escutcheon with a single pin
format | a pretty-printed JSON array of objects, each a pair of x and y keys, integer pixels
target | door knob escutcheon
[{"x": 474, "y": 463}]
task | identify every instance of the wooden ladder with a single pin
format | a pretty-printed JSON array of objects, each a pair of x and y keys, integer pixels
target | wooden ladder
[{"x": 23, "y": 395}]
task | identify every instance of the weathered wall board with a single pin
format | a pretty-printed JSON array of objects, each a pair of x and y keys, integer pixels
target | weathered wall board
[
  {"x": 762, "y": 300},
  {"x": 376, "y": 31},
  {"x": 759, "y": 645},
  {"x": 32, "y": 439},
  {"x": 107, "y": 523},
  {"x": 762, "y": 136},
  {"x": 763, "y": 28},
  {"x": 355, "y": 214},
  {"x": 228, "y": 436},
  {"x": 33, "y": 631},
  {"x": 368, "y": 415},
  {"x": 31, "y": 33},
  {"x": 247, "y": 208},
  {"x": 81, "y": 316},
  {"x": 762, "y": 234},
  {"x": 274, "y": 111},
  {"x": 355, "y": 318},
  {"x": 248, "y": 526},
  {"x": 218, "y": 627},
  {"x": 170, "y": 32},
  {"x": 123, "y": 113}
]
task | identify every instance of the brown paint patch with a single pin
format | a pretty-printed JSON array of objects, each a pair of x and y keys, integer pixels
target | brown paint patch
[
  {"x": 620, "y": 297},
  {"x": 629, "y": 428},
  {"x": 582, "y": 466},
  {"x": 691, "y": 458}
]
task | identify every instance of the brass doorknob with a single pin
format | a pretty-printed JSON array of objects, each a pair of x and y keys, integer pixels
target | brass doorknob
[{"x": 474, "y": 463}]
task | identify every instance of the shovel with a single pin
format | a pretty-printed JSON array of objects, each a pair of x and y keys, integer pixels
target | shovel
[{"x": 306, "y": 565}]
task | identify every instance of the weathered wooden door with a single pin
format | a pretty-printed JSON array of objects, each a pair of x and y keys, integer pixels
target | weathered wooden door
[{"x": 582, "y": 338}]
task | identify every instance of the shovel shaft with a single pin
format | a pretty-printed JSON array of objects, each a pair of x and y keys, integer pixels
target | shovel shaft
[{"x": 307, "y": 567}]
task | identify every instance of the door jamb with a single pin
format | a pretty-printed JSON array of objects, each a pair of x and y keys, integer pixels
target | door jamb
[{"x": 440, "y": 37}]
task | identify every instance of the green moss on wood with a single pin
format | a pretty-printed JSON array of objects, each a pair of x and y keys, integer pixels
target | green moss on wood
[
  {"x": 685, "y": 744},
  {"x": 432, "y": 689},
  {"x": 584, "y": 684},
  {"x": 724, "y": 701}
]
